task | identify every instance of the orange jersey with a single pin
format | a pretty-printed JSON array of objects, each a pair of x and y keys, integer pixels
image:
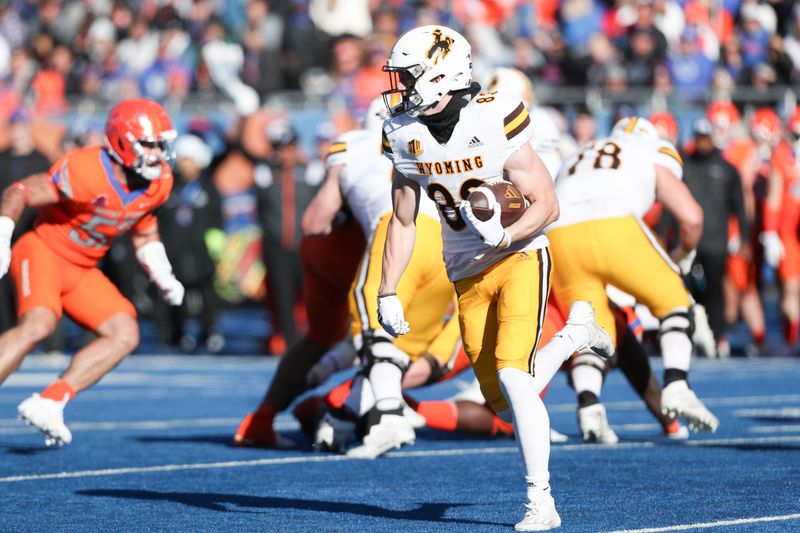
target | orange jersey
[{"x": 94, "y": 208}]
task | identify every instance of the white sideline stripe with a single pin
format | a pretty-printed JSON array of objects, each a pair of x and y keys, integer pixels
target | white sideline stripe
[
  {"x": 786, "y": 412},
  {"x": 719, "y": 523},
  {"x": 744, "y": 440},
  {"x": 6, "y": 427},
  {"x": 309, "y": 458},
  {"x": 789, "y": 428},
  {"x": 409, "y": 454},
  {"x": 720, "y": 402}
]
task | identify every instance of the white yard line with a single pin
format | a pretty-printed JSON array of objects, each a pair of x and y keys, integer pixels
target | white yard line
[
  {"x": 313, "y": 458},
  {"x": 786, "y": 412},
  {"x": 719, "y": 523},
  {"x": 15, "y": 427},
  {"x": 308, "y": 458},
  {"x": 788, "y": 428}
]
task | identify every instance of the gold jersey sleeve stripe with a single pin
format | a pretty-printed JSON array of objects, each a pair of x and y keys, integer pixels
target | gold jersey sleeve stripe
[
  {"x": 337, "y": 148},
  {"x": 511, "y": 117},
  {"x": 513, "y": 128},
  {"x": 672, "y": 153}
]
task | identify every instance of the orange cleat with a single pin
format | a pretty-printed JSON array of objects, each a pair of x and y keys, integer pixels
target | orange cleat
[{"x": 257, "y": 432}]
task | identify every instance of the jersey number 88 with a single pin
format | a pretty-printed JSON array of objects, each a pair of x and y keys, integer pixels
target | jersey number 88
[{"x": 447, "y": 204}]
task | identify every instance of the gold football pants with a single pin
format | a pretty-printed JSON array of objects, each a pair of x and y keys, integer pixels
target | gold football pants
[
  {"x": 614, "y": 251},
  {"x": 501, "y": 313}
]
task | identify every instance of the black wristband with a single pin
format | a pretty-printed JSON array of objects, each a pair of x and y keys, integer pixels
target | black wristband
[{"x": 387, "y": 294}]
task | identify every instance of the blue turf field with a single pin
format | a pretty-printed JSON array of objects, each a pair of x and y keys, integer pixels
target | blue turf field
[{"x": 151, "y": 453}]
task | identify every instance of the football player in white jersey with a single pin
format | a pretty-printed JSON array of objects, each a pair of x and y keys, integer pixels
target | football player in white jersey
[
  {"x": 445, "y": 138},
  {"x": 546, "y": 137},
  {"x": 600, "y": 239},
  {"x": 360, "y": 177}
]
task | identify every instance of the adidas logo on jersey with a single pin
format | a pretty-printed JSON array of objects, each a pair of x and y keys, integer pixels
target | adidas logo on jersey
[{"x": 474, "y": 143}]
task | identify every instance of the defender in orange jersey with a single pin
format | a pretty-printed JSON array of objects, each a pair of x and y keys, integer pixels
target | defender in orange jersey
[
  {"x": 89, "y": 197},
  {"x": 781, "y": 215},
  {"x": 739, "y": 285}
]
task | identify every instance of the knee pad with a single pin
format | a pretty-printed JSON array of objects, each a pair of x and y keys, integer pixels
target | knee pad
[
  {"x": 378, "y": 348},
  {"x": 589, "y": 359},
  {"x": 679, "y": 320}
]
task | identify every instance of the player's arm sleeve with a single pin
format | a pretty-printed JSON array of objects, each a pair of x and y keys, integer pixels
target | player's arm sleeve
[
  {"x": 516, "y": 125},
  {"x": 61, "y": 180},
  {"x": 146, "y": 224},
  {"x": 337, "y": 153},
  {"x": 388, "y": 148},
  {"x": 667, "y": 156}
]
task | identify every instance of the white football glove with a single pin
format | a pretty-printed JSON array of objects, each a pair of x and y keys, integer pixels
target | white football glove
[
  {"x": 390, "y": 315},
  {"x": 773, "y": 248},
  {"x": 171, "y": 290},
  {"x": 153, "y": 258},
  {"x": 6, "y": 229},
  {"x": 490, "y": 231}
]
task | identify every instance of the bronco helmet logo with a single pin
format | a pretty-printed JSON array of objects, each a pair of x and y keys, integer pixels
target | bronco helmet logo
[{"x": 440, "y": 47}]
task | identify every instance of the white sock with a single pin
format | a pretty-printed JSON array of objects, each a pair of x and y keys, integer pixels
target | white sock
[
  {"x": 587, "y": 378},
  {"x": 531, "y": 424},
  {"x": 385, "y": 379},
  {"x": 675, "y": 343},
  {"x": 676, "y": 350},
  {"x": 552, "y": 355},
  {"x": 361, "y": 398}
]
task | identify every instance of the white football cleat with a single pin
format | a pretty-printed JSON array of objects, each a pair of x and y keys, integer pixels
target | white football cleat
[
  {"x": 678, "y": 400},
  {"x": 581, "y": 313},
  {"x": 333, "y": 433},
  {"x": 679, "y": 433},
  {"x": 392, "y": 431},
  {"x": 414, "y": 418},
  {"x": 540, "y": 514},
  {"x": 593, "y": 423},
  {"x": 557, "y": 436},
  {"x": 47, "y": 416}
]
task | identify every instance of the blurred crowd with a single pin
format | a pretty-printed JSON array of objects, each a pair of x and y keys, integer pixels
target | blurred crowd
[
  {"x": 243, "y": 182},
  {"x": 247, "y": 50}
]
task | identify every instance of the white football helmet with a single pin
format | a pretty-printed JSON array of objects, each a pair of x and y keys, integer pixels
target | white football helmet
[
  {"x": 635, "y": 126},
  {"x": 512, "y": 81},
  {"x": 426, "y": 63},
  {"x": 375, "y": 115}
]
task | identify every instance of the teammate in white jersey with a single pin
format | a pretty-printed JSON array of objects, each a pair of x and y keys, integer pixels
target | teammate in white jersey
[
  {"x": 444, "y": 139},
  {"x": 546, "y": 137},
  {"x": 600, "y": 240},
  {"x": 359, "y": 176}
]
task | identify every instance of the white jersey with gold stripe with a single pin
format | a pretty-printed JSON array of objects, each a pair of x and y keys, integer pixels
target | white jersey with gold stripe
[
  {"x": 366, "y": 179},
  {"x": 611, "y": 177},
  {"x": 491, "y": 127}
]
